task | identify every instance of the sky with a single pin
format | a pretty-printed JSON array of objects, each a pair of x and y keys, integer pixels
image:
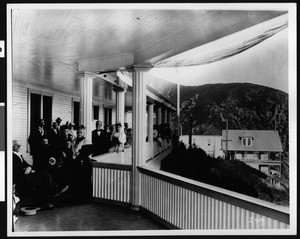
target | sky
[{"x": 264, "y": 64}]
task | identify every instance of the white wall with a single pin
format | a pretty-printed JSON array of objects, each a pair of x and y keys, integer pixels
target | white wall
[
  {"x": 19, "y": 123},
  {"x": 202, "y": 142},
  {"x": 62, "y": 108}
]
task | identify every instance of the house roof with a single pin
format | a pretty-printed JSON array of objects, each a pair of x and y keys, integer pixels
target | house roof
[{"x": 262, "y": 140}]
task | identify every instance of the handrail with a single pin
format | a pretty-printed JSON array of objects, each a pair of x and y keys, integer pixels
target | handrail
[
  {"x": 125, "y": 167},
  {"x": 255, "y": 205}
]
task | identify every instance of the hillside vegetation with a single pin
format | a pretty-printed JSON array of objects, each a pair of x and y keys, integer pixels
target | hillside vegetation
[
  {"x": 246, "y": 106},
  {"x": 229, "y": 174}
]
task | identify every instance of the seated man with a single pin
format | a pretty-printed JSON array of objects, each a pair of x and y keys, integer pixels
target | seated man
[
  {"x": 51, "y": 161},
  {"x": 32, "y": 187}
]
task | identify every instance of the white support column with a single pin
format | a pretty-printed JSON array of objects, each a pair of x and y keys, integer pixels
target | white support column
[
  {"x": 126, "y": 117},
  {"x": 170, "y": 117},
  {"x": 158, "y": 116},
  {"x": 86, "y": 102},
  {"x": 120, "y": 97},
  {"x": 139, "y": 134},
  {"x": 166, "y": 116},
  {"x": 150, "y": 127}
]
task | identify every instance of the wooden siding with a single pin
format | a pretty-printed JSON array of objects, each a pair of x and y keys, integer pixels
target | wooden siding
[
  {"x": 62, "y": 107},
  {"x": 20, "y": 118}
]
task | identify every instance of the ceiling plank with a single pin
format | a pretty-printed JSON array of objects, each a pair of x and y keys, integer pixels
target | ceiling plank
[{"x": 106, "y": 63}]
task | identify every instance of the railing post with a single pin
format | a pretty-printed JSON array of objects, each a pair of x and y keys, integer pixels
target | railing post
[{"x": 139, "y": 134}]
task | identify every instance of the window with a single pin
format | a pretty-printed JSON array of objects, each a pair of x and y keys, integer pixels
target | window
[
  {"x": 40, "y": 108},
  {"x": 264, "y": 169},
  {"x": 107, "y": 116},
  {"x": 96, "y": 112},
  {"x": 247, "y": 141},
  {"x": 210, "y": 153},
  {"x": 76, "y": 115},
  {"x": 208, "y": 142}
]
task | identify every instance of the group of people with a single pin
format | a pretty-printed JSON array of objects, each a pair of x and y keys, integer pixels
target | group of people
[
  {"x": 62, "y": 159},
  {"x": 162, "y": 132},
  {"x": 111, "y": 138},
  {"x": 61, "y": 166}
]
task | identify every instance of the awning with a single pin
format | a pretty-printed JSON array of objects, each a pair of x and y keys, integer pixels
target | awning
[{"x": 227, "y": 46}]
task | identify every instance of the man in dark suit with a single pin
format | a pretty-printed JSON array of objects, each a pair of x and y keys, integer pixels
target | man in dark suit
[
  {"x": 32, "y": 187},
  {"x": 35, "y": 139},
  {"x": 98, "y": 139},
  {"x": 55, "y": 139},
  {"x": 21, "y": 171}
]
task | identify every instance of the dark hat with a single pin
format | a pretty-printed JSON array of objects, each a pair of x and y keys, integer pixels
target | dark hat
[
  {"x": 118, "y": 124},
  {"x": 58, "y": 119}
]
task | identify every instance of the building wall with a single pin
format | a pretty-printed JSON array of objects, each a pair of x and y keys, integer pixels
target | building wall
[
  {"x": 202, "y": 141},
  {"x": 62, "y": 107},
  {"x": 19, "y": 117}
]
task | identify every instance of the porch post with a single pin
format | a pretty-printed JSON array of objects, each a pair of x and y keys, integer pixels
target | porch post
[
  {"x": 166, "y": 116},
  {"x": 86, "y": 102},
  {"x": 150, "y": 127},
  {"x": 138, "y": 132},
  {"x": 169, "y": 117},
  {"x": 120, "y": 102},
  {"x": 158, "y": 121}
]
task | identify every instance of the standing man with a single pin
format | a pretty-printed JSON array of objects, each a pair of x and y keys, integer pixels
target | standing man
[
  {"x": 98, "y": 139},
  {"x": 55, "y": 138},
  {"x": 58, "y": 121},
  {"x": 35, "y": 139}
]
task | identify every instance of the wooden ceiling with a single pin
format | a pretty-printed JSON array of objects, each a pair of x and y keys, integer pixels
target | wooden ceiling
[{"x": 49, "y": 44}]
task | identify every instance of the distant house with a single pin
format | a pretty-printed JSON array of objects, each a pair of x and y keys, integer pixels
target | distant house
[
  {"x": 260, "y": 149},
  {"x": 211, "y": 144}
]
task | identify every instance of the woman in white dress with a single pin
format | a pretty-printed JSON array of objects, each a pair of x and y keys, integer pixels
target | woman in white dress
[{"x": 118, "y": 139}]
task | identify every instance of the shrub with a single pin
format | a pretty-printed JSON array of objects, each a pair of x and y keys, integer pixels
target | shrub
[{"x": 233, "y": 175}]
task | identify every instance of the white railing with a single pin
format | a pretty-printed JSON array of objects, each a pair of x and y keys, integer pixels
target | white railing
[
  {"x": 188, "y": 204},
  {"x": 111, "y": 181},
  {"x": 118, "y": 158},
  {"x": 125, "y": 157}
]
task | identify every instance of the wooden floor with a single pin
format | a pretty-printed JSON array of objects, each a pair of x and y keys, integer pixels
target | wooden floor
[{"x": 86, "y": 217}]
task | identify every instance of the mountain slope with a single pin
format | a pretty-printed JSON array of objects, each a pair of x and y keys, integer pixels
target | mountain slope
[{"x": 245, "y": 105}]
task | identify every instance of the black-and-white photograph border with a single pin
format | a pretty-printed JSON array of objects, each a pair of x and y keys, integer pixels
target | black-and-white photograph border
[{"x": 151, "y": 119}]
